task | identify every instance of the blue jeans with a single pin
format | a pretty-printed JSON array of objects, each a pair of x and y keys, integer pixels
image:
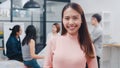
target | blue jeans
[{"x": 32, "y": 63}]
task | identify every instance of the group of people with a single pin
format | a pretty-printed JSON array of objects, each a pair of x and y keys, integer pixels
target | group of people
[
  {"x": 74, "y": 48},
  {"x": 23, "y": 51}
]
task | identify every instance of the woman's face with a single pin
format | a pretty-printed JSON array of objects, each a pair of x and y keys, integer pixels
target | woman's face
[
  {"x": 71, "y": 20},
  {"x": 54, "y": 29},
  {"x": 20, "y": 32}
]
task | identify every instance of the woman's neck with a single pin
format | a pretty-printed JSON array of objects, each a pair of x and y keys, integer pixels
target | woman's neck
[
  {"x": 73, "y": 36},
  {"x": 54, "y": 33}
]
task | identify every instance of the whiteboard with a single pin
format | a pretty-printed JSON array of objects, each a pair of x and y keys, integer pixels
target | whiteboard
[{"x": 7, "y": 32}]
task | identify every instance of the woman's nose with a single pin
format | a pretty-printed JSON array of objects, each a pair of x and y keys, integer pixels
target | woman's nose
[{"x": 71, "y": 21}]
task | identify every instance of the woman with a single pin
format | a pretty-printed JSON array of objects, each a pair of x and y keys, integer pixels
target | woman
[
  {"x": 28, "y": 48},
  {"x": 55, "y": 31},
  {"x": 73, "y": 49},
  {"x": 13, "y": 44}
]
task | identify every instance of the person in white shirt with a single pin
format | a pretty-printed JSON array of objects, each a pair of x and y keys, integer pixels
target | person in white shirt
[
  {"x": 97, "y": 36},
  {"x": 55, "y": 31}
]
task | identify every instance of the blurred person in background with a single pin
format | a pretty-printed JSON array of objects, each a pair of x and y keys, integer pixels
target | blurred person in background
[
  {"x": 55, "y": 31},
  {"x": 97, "y": 36},
  {"x": 13, "y": 44},
  {"x": 28, "y": 48}
]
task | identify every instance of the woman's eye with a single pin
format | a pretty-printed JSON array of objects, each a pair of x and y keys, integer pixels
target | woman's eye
[
  {"x": 75, "y": 18},
  {"x": 67, "y": 18}
]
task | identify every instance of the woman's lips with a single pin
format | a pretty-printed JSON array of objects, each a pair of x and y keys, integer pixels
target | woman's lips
[{"x": 71, "y": 27}]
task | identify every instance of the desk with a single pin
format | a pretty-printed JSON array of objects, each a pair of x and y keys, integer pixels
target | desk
[
  {"x": 114, "y": 45},
  {"x": 111, "y": 56}
]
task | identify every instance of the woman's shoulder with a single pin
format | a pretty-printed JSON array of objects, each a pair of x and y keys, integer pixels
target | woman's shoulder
[
  {"x": 11, "y": 38},
  {"x": 57, "y": 38},
  {"x": 52, "y": 43},
  {"x": 54, "y": 39},
  {"x": 32, "y": 40}
]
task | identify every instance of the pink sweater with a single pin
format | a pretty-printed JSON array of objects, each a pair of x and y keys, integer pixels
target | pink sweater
[{"x": 65, "y": 52}]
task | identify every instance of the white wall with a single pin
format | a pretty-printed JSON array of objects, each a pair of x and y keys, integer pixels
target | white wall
[
  {"x": 105, "y": 5},
  {"x": 5, "y": 5}
]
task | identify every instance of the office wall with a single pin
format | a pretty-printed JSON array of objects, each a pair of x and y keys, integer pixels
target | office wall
[
  {"x": 5, "y": 5},
  {"x": 105, "y": 5}
]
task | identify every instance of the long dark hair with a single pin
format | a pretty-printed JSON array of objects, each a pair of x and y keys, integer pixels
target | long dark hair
[
  {"x": 14, "y": 30},
  {"x": 83, "y": 34},
  {"x": 30, "y": 34}
]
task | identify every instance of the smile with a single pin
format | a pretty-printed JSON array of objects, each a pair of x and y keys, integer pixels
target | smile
[{"x": 71, "y": 27}]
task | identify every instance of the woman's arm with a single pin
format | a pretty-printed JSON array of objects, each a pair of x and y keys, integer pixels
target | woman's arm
[
  {"x": 32, "y": 50},
  {"x": 92, "y": 62},
  {"x": 48, "y": 55}
]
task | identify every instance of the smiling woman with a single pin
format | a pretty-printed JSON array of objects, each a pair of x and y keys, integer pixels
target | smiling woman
[{"x": 74, "y": 44}]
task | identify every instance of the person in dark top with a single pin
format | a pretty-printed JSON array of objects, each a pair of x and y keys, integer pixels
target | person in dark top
[{"x": 13, "y": 44}]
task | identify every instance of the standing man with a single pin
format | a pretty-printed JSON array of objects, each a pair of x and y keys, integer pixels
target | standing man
[{"x": 97, "y": 36}]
